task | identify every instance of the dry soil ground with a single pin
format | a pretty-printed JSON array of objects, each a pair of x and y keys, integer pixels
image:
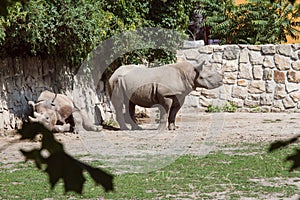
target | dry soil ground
[
  {"x": 197, "y": 133},
  {"x": 146, "y": 150}
]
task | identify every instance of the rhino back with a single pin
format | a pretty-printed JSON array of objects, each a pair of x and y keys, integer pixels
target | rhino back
[{"x": 144, "y": 85}]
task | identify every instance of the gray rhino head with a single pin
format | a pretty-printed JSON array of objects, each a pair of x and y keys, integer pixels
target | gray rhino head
[{"x": 207, "y": 77}]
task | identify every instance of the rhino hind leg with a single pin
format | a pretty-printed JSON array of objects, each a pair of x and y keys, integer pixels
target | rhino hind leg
[
  {"x": 131, "y": 118},
  {"x": 61, "y": 128},
  {"x": 117, "y": 100}
]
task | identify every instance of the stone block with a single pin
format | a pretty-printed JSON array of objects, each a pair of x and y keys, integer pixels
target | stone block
[
  {"x": 230, "y": 77},
  {"x": 250, "y": 103},
  {"x": 244, "y": 56},
  {"x": 257, "y": 72},
  {"x": 295, "y": 96},
  {"x": 294, "y": 56},
  {"x": 207, "y": 49},
  {"x": 231, "y": 52},
  {"x": 211, "y": 94},
  {"x": 288, "y": 103},
  {"x": 244, "y": 71},
  {"x": 267, "y": 74},
  {"x": 265, "y": 109},
  {"x": 195, "y": 93},
  {"x": 239, "y": 92},
  {"x": 256, "y": 58},
  {"x": 254, "y": 47},
  {"x": 275, "y": 110},
  {"x": 282, "y": 62},
  {"x": 191, "y": 54},
  {"x": 225, "y": 92},
  {"x": 284, "y": 49},
  {"x": 203, "y": 58},
  {"x": 294, "y": 76},
  {"x": 257, "y": 87},
  {"x": 266, "y": 100},
  {"x": 254, "y": 97},
  {"x": 230, "y": 65},
  {"x": 268, "y": 62},
  {"x": 217, "y": 57},
  {"x": 280, "y": 92},
  {"x": 291, "y": 87},
  {"x": 204, "y": 101},
  {"x": 296, "y": 65},
  {"x": 268, "y": 49},
  {"x": 278, "y": 104},
  {"x": 217, "y": 48},
  {"x": 242, "y": 82},
  {"x": 216, "y": 66},
  {"x": 279, "y": 76},
  {"x": 191, "y": 101},
  {"x": 296, "y": 47},
  {"x": 238, "y": 102}
]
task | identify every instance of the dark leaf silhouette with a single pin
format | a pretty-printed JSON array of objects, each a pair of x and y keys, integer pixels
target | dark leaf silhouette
[
  {"x": 295, "y": 158},
  {"x": 279, "y": 144},
  {"x": 30, "y": 130},
  {"x": 34, "y": 155},
  {"x": 100, "y": 177},
  {"x": 60, "y": 165}
]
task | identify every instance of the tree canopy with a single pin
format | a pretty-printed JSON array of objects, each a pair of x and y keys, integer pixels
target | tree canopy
[
  {"x": 71, "y": 29},
  {"x": 255, "y": 22}
]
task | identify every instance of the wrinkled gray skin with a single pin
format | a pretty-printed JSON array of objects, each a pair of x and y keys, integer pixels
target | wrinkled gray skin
[
  {"x": 165, "y": 87},
  {"x": 53, "y": 110}
]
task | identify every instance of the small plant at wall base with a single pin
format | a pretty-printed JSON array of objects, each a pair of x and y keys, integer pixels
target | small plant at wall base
[
  {"x": 228, "y": 107},
  {"x": 213, "y": 108}
]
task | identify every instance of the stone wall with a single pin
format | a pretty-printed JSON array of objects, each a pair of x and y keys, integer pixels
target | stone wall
[
  {"x": 256, "y": 77},
  {"x": 23, "y": 79}
]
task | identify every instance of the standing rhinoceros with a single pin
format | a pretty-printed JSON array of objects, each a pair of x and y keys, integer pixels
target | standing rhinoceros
[
  {"x": 165, "y": 87},
  {"x": 54, "y": 111}
]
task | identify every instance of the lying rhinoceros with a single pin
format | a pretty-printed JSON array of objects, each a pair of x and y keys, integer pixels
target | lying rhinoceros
[
  {"x": 58, "y": 113},
  {"x": 165, "y": 87}
]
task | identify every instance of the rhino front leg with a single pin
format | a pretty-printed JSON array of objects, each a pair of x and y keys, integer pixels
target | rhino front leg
[
  {"x": 164, "y": 109},
  {"x": 172, "y": 117},
  {"x": 173, "y": 112}
]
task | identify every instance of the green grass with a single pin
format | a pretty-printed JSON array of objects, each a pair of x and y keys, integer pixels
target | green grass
[{"x": 228, "y": 171}]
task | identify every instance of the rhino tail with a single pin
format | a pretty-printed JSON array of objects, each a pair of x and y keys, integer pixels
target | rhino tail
[{"x": 108, "y": 89}]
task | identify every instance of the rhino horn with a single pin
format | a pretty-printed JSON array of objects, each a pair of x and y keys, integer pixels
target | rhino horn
[
  {"x": 37, "y": 115},
  {"x": 31, "y": 119},
  {"x": 31, "y": 103}
]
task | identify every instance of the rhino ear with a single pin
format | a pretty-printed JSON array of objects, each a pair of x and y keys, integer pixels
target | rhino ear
[{"x": 199, "y": 68}]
